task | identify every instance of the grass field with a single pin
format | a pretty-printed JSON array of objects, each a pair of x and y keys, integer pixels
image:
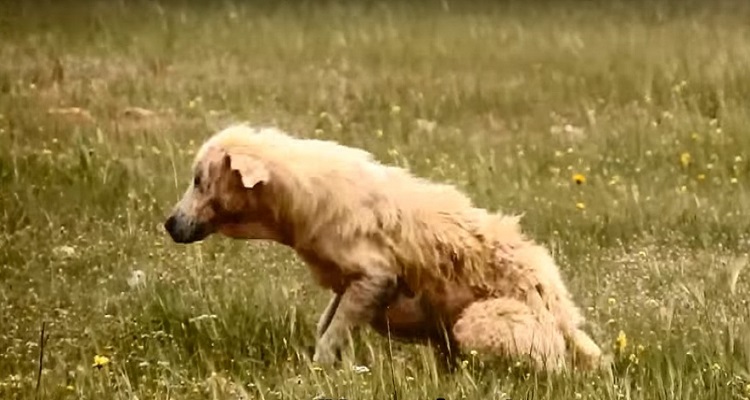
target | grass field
[{"x": 648, "y": 101}]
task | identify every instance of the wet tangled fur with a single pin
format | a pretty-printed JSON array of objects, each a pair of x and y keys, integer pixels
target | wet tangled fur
[
  {"x": 325, "y": 186},
  {"x": 526, "y": 308}
]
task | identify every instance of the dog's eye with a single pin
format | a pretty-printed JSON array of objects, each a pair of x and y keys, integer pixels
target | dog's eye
[{"x": 197, "y": 181}]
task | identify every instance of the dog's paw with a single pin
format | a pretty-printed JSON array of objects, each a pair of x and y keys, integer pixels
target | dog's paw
[{"x": 325, "y": 355}]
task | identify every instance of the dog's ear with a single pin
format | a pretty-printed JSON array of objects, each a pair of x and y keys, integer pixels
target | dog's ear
[{"x": 252, "y": 170}]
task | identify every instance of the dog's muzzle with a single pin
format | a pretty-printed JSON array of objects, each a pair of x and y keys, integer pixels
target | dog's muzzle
[{"x": 182, "y": 231}]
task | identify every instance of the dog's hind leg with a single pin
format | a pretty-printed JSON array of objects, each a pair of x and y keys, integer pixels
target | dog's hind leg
[{"x": 509, "y": 328}]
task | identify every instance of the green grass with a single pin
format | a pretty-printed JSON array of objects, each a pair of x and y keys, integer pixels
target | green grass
[{"x": 503, "y": 99}]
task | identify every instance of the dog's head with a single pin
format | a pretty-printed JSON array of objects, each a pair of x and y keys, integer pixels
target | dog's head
[{"x": 224, "y": 196}]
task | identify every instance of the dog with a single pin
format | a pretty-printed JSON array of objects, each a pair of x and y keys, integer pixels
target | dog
[{"x": 388, "y": 244}]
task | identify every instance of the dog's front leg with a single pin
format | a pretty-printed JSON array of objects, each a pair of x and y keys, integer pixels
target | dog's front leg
[
  {"x": 328, "y": 313},
  {"x": 357, "y": 306}
]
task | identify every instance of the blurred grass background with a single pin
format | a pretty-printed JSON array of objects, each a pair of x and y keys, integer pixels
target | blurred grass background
[{"x": 103, "y": 104}]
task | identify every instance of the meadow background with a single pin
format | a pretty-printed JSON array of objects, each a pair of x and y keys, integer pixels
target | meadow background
[{"x": 103, "y": 104}]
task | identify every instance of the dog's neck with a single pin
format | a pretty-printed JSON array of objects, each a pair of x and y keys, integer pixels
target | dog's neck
[{"x": 288, "y": 214}]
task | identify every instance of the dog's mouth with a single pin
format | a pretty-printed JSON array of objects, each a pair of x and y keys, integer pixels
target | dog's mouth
[{"x": 185, "y": 232}]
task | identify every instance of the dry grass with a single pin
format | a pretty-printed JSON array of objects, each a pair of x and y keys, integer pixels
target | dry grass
[{"x": 648, "y": 102}]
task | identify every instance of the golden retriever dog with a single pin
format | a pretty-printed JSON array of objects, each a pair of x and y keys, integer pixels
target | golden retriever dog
[{"x": 398, "y": 252}]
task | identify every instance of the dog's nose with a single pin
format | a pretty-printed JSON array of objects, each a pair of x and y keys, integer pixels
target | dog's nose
[{"x": 169, "y": 225}]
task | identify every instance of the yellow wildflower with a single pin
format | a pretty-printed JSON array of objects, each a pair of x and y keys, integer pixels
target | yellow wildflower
[
  {"x": 579, "y": 179},
  {"x": 701, "y": 177},
  {"x": 100, "y": 361},
  {"x": 395, "y": 109},
  {"x": 733, "y": 180},
  {"x": 580, "y": 206},
  {"x": 621, "y": 342},
  {"x": 194, "y": 102},
  {"x": 685, "y": 159}
]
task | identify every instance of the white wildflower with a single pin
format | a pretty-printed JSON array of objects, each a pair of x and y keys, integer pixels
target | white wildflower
[
  {"x": 137, "y": 279},
  {"x": 360, "y": 369},
  {"x": 64, "y": 251}
]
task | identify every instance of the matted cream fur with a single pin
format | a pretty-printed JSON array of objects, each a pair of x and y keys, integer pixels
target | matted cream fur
[{"x": 381, "y": 240}]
